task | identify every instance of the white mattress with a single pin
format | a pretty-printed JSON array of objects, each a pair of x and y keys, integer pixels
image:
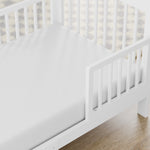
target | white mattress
[{"x": 42, "y": 83}]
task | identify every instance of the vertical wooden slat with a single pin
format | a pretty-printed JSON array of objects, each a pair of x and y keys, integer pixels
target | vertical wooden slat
[
  {"x": 128, "y": 81},
  {"x": 125, "y": 26},
  {"x": 96, "y": 19},
  {"x": 87, "y": 18},
  {"x": 35, "y": 16},
  {"x": 26, "y": 20},
  {"x": 70, "y": 13},
  {"x": 135, "y": 26},
  {"x": 0, "y": 37},
  {"x": 119, "y": 77},
  {"x": 78, "y": 15},
  {"x": 7, "y": 28},
  {"x": 89, "y": 92},
  {"x": 115, "y": 26},
  {"x": 137, "y": 75},
  {"x": 57, "y": 11},
  {"x": 43, "y": 13},
  {"x": 146, "y": 60},
  {"x": 52, "y": 11},
  {"x": 134, "y": 54},
  {"x": 105, "y": 21},
  {"x": 110, "y": 74},
  {"x": 135, "y": 31},
  {"x": 62, "y": 11},
  {"x": 100, "y": 88},
  {"x": 17, "y": 24}
]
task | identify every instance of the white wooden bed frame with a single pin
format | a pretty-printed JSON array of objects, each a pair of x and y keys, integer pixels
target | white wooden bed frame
[{"x": 95, "y": 116}]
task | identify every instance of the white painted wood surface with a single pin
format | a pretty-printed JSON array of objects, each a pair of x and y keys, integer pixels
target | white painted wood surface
[{"x": 132, "y": 54}]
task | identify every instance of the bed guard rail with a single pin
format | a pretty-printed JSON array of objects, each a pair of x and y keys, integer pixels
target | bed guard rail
[{"x": 140, "y": 51}]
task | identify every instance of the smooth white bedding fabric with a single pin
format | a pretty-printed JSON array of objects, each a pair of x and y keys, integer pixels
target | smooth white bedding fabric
[{"x": 42, "y": 86}]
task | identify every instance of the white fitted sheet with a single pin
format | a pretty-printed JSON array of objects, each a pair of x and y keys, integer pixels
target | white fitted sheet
[{"x": 42, "y": 86}]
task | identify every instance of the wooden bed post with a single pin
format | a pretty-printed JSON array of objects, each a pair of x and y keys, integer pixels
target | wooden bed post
[
  {"x": 143, "y": 105},
  {"x": 57, "y": 11}
]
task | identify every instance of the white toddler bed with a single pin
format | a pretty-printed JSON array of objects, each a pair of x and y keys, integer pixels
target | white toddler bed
[{"x": 56, "y": 85}]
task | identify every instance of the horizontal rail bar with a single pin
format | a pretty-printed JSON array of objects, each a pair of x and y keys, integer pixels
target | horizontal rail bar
[
  {"x": 119, "y": 77},
  {"x": 118, "y": 55}
]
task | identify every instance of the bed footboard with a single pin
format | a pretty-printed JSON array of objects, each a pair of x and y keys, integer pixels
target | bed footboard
[{"x": 135, "y": 91}]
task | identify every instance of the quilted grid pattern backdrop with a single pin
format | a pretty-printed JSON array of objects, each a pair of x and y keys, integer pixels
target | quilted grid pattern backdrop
[{"x": 119, "y": 35}]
